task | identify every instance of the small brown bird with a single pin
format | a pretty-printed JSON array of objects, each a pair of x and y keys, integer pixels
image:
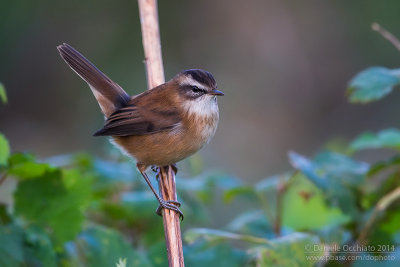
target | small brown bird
[{"x": 158, "y": 127}]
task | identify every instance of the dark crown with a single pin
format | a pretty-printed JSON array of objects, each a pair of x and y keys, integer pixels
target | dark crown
[{"x": 201, "y": 76}]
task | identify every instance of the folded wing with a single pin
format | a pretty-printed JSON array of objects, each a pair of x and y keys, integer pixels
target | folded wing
[{"x": 135, "y": 120}]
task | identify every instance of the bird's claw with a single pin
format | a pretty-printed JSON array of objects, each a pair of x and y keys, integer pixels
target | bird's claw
[
  {"x": 154, "y": 168},
  {"x": 171, "y": 205}
]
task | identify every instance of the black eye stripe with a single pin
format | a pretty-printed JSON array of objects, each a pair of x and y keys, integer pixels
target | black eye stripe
[
  {"x": 188, "y": 92},
  {"x": 192, "y": 88},
  {"x": 196, "y": 89}
]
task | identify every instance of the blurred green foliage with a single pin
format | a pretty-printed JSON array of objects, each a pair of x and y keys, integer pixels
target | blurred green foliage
[
  {"x": 83, "y": 211},
  {"x": 388, "y": 138},
  {"x": 372, "y": 84},
  {"x": 77, "y": 210}
]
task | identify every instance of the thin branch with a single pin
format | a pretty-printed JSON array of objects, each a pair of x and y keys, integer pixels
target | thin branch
[
  {"x": 380, "y": 207},
  {"x": 155, "y": 77},
  {"x": 387, "y": 35}
]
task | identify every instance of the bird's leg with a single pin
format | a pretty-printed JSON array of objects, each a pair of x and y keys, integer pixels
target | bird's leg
[
  {"x": 164, "y": 204},
  {"x": 176, "y": 203},
  {"x": 174, "y": 167}
]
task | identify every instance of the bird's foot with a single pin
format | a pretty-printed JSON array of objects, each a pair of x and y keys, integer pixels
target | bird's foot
[
  {"x": 155, "y": 168},
  {"x": 171, "y": 205}
]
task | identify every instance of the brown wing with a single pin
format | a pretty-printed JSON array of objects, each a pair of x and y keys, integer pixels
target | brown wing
[{"x": 143, "y": 115}]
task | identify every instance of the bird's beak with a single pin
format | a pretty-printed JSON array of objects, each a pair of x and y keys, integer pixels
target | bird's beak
[{"x": 215, "y": 92}]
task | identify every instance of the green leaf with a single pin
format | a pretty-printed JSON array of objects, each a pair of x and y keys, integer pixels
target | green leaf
[
  {"x": 266, "y": 187},
  {"x": 3, "y": 94},
  {"x": 5, "y": 218},
  {"x": 207, "y": 181},
  {"x": 38, "y": 248},
  {"x": 29, "y": 170},
  {"x": 243, "y": 190},
  {"x": 291, "y": 250},
  {"x": 389, "y": 138},
  {"x": 136, "y": 209},
  {"x": 372, "y": 84},
  {"x": 11, "y": 250},
  {"x": 138, "y": 205},
  {"x": 201, "y": 189},
  {"x": 25, "y": 247},
  {"x": 212, "y": 235},
  {"x": 121, "y": 263},
  {"x": 157, "y": 254},
  {"x": 390, "y": 224},
  {"x": 336, "y": 175},
  {"x": 19, "y": 158},
  {"x": 305, "y": 208},
  {"x": 251, "y": 223},
  {"x": 4, "y": 150},
  {"x": 202, "y": 254},
  {"x": 194, "y": 206},
  {"x": 310, "y": 170},
  {"x": 376, "y": 189},
  {"x": 55, "y": 201},
  {"x": 334, "y": 235},
  {"x": 122, "y": 171},
  {"x": 24, "y": 166},
  {"x": 330, "y": 168},
  {"x": 273, "y": 183},
  {"x": 102, "y": 247},
  {"x": 383, "y": 165}
]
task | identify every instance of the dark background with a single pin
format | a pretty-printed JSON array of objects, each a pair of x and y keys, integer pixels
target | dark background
[{"x": 283, "y": 66}]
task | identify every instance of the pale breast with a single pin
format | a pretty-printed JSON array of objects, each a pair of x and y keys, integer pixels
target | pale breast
[{"x": 167, "y": 147}]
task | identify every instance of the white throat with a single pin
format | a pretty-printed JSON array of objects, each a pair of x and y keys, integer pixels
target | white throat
[{"x": 204, "y": 106}]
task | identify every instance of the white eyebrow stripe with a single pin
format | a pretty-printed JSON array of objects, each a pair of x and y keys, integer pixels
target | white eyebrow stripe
[{"x": 188, "y": 81}]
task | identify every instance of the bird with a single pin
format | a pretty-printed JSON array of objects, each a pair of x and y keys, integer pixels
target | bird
[{"x": 158, "y": 127}]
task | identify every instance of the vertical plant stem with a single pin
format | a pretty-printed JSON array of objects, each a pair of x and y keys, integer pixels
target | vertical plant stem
[
  {"x": 172, "y": 228},
  {"x": 151, "y": 43},
  {"x": 155, "y": 77}
]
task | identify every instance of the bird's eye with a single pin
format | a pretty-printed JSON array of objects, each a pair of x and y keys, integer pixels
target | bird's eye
[{"x": 196, "y": 89}]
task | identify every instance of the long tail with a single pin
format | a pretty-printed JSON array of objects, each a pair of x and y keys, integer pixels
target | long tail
[{"x": 109, "y": 94}]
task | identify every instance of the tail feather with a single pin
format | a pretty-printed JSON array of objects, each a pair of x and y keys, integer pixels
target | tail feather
[{"x": 109, "y": 94}]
